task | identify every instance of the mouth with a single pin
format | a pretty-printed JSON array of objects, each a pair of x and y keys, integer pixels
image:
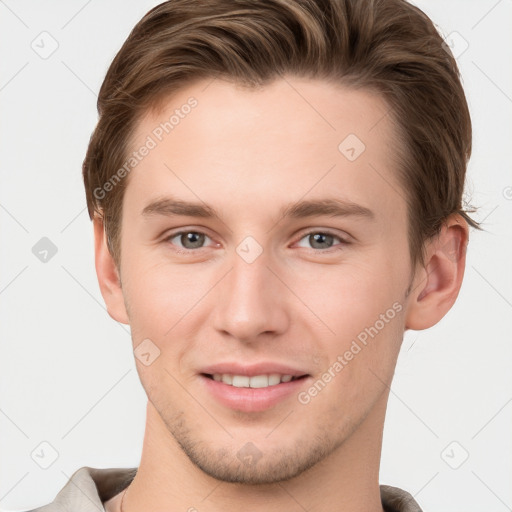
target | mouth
[
  {"x": 254, "y": 388},
  {"x": 255, "y": 381}
]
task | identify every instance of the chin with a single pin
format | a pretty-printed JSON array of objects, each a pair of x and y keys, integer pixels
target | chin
[{"x": 251, "y": 465}]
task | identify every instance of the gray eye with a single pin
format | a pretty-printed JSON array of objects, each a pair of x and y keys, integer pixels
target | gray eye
[
  {"x": 319, "y": 240},
  {"x": 189, "y": 239}
]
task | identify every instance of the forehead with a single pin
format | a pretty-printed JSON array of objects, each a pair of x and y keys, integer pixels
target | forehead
[{"x": 231, "y": 146}]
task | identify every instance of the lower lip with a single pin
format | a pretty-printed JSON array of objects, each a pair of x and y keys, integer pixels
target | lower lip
[{"x": 252, "y": 399}]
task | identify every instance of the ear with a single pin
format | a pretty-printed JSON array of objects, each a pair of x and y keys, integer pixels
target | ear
[
  {"x": 108, "y": 275},
  {"x": 436, "y": 285}
]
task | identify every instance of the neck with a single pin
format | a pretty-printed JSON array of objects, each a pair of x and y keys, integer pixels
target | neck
[{"x": 346, "y": 480}]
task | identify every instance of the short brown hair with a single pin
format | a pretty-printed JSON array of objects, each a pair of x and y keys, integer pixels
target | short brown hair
[{"x": 387, "y": 46}]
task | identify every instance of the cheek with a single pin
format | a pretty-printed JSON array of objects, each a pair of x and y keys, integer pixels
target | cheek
[
  {"x": 159, "y": 295},
  {"x": 362, "y": 306},
  {"x": 349, "y": 297},
  {"x": 360, "y": 365},
  {"x": 162, "y": 299}
]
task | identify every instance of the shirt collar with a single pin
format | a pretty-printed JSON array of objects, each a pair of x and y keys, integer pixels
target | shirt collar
[{"x": 88, "y": 488}]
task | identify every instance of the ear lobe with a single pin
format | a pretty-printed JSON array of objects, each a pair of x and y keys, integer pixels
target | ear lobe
[
  {"x": 108, "y": 275},
  {"x": 437, "y": 285}
]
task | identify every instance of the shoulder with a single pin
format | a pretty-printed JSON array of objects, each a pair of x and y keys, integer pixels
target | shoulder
[
  {"x": 88, "y": 488},
  {"x": 395, "y": 499}
]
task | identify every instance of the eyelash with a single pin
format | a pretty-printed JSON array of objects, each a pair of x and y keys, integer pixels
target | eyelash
[{"x": 329, "y": 250}]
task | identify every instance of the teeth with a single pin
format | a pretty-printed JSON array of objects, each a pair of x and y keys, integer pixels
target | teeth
[
  {"x": 257, "y": 381},
  {"x": 227, "y": 379},
  {"x": 241, "y": 381},
  {"x": 274, "y": 379}
]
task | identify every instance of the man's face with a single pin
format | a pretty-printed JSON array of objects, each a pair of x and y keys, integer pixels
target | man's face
[{"x": 255, "y": 293}]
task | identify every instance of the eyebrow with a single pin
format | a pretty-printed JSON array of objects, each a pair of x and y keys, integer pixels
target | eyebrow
[{"x": 301, "y": 209}]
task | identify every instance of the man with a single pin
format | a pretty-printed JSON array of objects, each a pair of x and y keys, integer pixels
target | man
[{"x": 275, "y": 189}]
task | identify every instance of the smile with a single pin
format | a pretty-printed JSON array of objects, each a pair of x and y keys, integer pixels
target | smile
[{"x": 256, "y": 381}]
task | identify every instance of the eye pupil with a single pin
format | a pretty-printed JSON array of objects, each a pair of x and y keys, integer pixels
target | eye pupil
[
  {"x": 320, "y": 238},
  {"x": 196, "y": 239}
]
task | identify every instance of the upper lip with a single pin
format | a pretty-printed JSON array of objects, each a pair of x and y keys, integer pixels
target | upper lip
[{"x": 262, "y": 368}]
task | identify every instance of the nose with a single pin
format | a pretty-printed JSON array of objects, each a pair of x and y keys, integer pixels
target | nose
[{"x": 251, "y": 301}]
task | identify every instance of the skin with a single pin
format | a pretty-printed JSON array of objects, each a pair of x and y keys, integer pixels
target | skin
[{"x": 248, "y": 153}]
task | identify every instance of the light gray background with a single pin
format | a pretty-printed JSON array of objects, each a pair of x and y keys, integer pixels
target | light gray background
[{"x": 67, "y": 372}]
